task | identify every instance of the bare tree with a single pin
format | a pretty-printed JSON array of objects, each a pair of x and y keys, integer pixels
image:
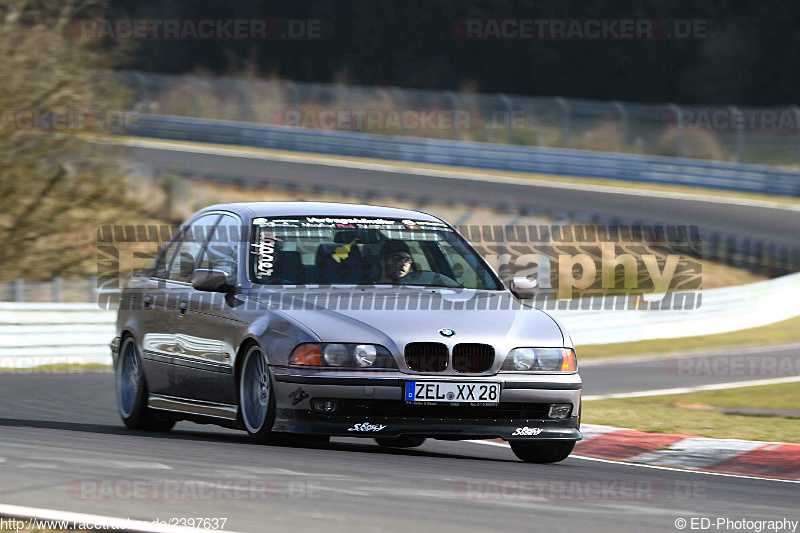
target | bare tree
[{"x": 54, "y": 90}]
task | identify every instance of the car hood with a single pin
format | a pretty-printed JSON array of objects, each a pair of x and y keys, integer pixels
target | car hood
[{"x": 395, "y": 317}]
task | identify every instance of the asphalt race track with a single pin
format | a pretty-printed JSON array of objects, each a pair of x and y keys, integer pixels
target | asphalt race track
[
  {"x": 63, "y": 447},
  {"x": 668, "y": 372},
  {"x": 760, "y": 222}
]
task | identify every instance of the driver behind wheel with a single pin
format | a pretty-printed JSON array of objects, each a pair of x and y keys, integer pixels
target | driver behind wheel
[{"x": 395, "y": 260}]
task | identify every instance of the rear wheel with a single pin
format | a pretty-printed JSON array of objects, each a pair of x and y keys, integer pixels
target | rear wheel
[
  {"x": 403, "y": 441},
  {"x": 256, "y": 398},
  {"x": 131, "y": 388},
  {"x": 542, "y": 452}
]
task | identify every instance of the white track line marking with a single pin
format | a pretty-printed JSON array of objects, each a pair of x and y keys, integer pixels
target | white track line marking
[
  {"x": 639, "y": 465},
  {"x": 473, "y": 176},
  {"x": 100, "y": 522},
  {"x": 698, "y": 388}
]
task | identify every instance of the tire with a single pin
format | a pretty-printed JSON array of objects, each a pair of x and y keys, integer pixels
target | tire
[
  {"x": 542, "y": 452},
  {"x": 256, "y": 397},
  {"x": 403, "y": 441},
  {"x": 131, "y": 391}
]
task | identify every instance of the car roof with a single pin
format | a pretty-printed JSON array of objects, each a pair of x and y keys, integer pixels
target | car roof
[{"x": 273, "y": 209}]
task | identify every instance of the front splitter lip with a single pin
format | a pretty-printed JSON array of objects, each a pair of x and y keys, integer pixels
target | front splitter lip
[{"x": 304, "y": 422}]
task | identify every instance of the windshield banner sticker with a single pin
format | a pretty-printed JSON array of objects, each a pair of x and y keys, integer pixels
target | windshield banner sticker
[
  {"x": 350, "y": 223},
  {"x": 264, "y": 249}
]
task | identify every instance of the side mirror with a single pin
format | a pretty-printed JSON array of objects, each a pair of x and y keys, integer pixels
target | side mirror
[
  {"x": 211, "y": 281},
  {"x": 524, "y": 287}
]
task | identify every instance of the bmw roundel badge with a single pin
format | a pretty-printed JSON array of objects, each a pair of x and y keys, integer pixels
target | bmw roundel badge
[{"x": 444, "y": 332}]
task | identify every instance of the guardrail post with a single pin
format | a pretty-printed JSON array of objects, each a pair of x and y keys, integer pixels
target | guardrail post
[
  {"x": 57, "y": 289},
  {"x": 291, "y": 96},
  {"x": 246, "y": 113},
  {"x": 740, "y": 132},
  {"x": 796, "y": 111},
  {"x": 509, "y": 115},
  {"x": 17, "y": 287},
  {"x": 92, "y": 280},
  {"x": 681, "y": 138},
  {"x": 454, "y": 108},
  {"x": 565, "y": 121},
  {"x": 196, "y": 98},
  {"x": 623, "y": 118}
]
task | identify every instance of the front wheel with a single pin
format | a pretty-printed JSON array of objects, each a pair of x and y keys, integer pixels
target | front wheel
[
  {"x": 131, "y": 389},
  {"x": 256, "y": 398},
  {"x": 542, "y": 452}
]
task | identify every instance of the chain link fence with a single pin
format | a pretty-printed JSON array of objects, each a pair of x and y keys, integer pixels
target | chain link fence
[{"x": 745, "y": 135}]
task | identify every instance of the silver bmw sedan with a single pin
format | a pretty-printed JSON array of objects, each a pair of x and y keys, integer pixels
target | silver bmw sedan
[{"x": 324, "y": 319}]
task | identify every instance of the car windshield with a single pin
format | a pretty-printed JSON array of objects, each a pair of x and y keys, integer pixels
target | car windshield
[{"x": 364, "y": 251}]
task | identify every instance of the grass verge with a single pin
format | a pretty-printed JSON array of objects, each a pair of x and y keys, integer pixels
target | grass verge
[
  {"x": 716, "y": 414},
  {"x": 58, "y": 368},
  {"x": 785, "y": 332}
]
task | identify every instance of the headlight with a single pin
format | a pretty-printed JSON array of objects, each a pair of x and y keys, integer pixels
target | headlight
[
  {"x": 365, "y": 354},
  {"x": 524, "y": 358},
  {"x": 541, "y": 359},
  {"x": 335, "y": 354},
  {"x": 341, "y": 355}
]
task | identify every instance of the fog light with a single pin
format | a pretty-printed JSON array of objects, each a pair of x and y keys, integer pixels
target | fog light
[
  {"x": 324, "y": 407},
  {"x": 559, "y": 410}
]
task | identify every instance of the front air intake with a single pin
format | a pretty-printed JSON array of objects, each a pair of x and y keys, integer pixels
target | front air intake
[
  {"x": 426, "y": 356},
  {"x": 472, "y": 358}
]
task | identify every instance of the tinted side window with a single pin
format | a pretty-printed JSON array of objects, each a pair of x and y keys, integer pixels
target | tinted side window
[
  {"x": 223, "y": 249},
  {"x": 191, "y": 244},
  {"x": 166, "y": 258}
]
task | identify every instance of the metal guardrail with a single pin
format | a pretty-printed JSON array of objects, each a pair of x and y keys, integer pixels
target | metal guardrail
[
  {"x": 32, "y": 330},
  {"x": 723, "y": 310},
  {"x": 41, "y": 334},
  {"x": 717, "y": 132},
  {"x": 653, "y": 169}
]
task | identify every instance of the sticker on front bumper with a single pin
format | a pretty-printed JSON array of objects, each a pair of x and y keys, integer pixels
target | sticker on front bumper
[
  {"x": 526, "y": 431},
  {"x": 298, "y": 396},
  {"x": 366, "y": 426},
  {"x": 452, "y": 392}
]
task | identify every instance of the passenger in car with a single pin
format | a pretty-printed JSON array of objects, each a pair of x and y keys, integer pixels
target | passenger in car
[{"x": 395, "y": 260}]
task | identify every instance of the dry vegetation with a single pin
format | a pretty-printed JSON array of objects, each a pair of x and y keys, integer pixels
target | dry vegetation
[{"x": 52, "y": 183}]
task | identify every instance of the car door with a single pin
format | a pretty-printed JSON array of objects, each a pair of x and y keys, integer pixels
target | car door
[
  {"x": 150, "y": 298},
  {"x": 205, "y": 331},
  {"x": 184, "y": 349}
]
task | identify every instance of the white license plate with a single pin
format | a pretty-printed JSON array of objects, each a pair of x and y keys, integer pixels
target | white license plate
[{"x": 452, "y": 392}]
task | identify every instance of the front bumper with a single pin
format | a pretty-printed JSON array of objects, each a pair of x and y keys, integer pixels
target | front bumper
[{"x": 374, "y": 406}]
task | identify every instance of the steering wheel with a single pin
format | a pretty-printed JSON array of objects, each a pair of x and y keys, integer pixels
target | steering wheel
[{"x": 428, "y": 277}]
